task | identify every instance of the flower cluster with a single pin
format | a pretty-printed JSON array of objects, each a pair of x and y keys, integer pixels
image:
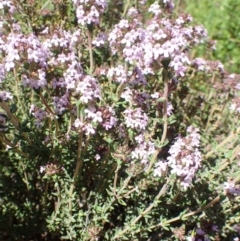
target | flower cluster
[
  {"x": 89, "y": 11},
  {"x": 144, "y": 46},
  {"x": 231, "y": 188},
  {"x": 39, "y": 114},
  {"x": 184, "y": 159},
  {"x": 135, "y": 119},
  {"x": 143, "y": 150}
]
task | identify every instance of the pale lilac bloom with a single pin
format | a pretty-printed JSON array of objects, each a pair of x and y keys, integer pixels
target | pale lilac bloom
[
  {"x": 130, "y": 37},
  {"x": 123, "y": 23},
  {"x": 143, "y": 150},
  {"x": 135, "y": 119},
  {"x": 99, "y": 40},
  {"x": 234, "y": 107},
  {"x": 215, "y": 228},
  {"x": 155, "y": 9},
  {"x": 155, "y": 95},
  {"x": 72, "y": 75},
  {"x": 190, "y": 238},
  {"x": 2, "y": 72},
  {"x": 185, "y": 157},
  {"x": 42, "y": 82},
  {"x": 7, "y": 3},
  {"x": 220, "y": 66},
  {"x": 5, "y": 96},
  {"x": 169, "y": 108},
  {"x": 169, "y": 3},
  {"x": 97, "y": 157},
  {"x": 95, "y": 116},
  {"x": 118, "y": 74},
  {"x": 4, "y": 3},
  {"x": 77, "y": 123},
  {"x": 42, "y": 169},
  {"x": 110, "y": 121},
  {"x": 160, "y": 168},
  {"x": 88, "y": 13},
  {"x": 237, "y": 86},
  {"x": 60, "y": 103},
  {"x": 127, "y": 94},
  {"x": 237, "y": 228},
  {"x": 200, "y": 231},
  {"x": 39, "y": 114},
  {"x": 180, "y": 20},
  {"x": 89, "y": 89},
  {"x": 132, "y": 12},
  {"x": 201, "y": 64},
  {"x": 231, "y": 188},
  {"x": 88, "y": 128},
  {"x": 161, "y": 38}
]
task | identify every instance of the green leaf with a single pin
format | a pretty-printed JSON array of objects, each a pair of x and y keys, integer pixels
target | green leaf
[
  {"x": 13, "y": 108},
  {"x": 122, "y": 202}
]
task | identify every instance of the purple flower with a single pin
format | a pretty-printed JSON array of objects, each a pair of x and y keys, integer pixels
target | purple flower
[
  {"x": 185, "y": 158},
  {"x": 160, "y": 168},
  {"x": 88, "y": 12},
  {"x": 95, "y": 116},
  {"x": 155, "y": 9},
  {"x": 143, "y": 150},
  {"x": 89, "y": 89},
  {"x": 60, "y": 103},
  {"x": 4, "y": 95},
  {"x": 135, "y": 119},
  {"x": 39, "y": 114},
  {"x": 99, "y": 40},
  {"x": 78, "y": 123}
]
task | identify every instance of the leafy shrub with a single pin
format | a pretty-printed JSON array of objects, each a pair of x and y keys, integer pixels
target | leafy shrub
[{"x": 109, "y": 129}]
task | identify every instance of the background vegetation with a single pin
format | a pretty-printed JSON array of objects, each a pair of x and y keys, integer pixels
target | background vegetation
[{"x": 221, "y": 19}]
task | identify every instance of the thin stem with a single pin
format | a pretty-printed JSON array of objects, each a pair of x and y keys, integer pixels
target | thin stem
[
  {"x": 165, "y": 121},
  {"x": 25, "y": 176},
  {"x": 215, "y": 200},
  {"x": 165, "y": 95},
  {"x": 126, "y": 8},
  {"x": 50, "y": 111},
  {"x": 77, "y": 168},
  {"x": 58, "y": 204},
  {"x": 69, "y": 125},
  {"x": 161, "y": 192},
  {"x": 226, "y": 162},
  {"x": 181, "y": 217},
  {"x": 90, "y": 49},
  {"x": 129, "y": 192},
  {"x": 17, "y": 91},
  {"x": 223, "y": 143}
]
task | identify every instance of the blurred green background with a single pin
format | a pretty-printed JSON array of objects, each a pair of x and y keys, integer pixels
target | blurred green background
[{"x": 221, "y": 18}]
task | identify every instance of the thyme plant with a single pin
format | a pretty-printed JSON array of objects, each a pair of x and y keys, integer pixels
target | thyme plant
[{"x": 110, "y": 129}]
